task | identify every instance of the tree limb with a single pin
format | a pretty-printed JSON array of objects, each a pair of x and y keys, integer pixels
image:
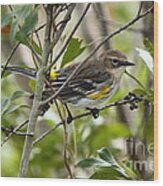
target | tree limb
[
  {"x": 131, "y": 99},
  {"x": 37, "y": 98}
]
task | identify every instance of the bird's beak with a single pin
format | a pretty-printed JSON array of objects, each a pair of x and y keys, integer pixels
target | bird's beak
[{"x": 128, "y": 63}]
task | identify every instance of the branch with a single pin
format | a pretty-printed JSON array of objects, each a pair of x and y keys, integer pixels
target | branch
[
  {"x": 9, "y": 58},
  {"x": 93, "y": 52},
  {"x": 65, "y": 148},
  {"x": 12, "y": 132},
  {"x": 140, "y": 8},
  {"x": 131, "y": 99},
  {"x": 28, "y": 144}
]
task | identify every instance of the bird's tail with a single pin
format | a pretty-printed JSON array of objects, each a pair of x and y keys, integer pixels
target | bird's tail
[{"x": 27, "y": 72}]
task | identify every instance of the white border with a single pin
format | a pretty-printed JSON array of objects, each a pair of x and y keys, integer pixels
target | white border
[
  {"x": 60, "y": 1},
  {"x": 53, "y": 182}
]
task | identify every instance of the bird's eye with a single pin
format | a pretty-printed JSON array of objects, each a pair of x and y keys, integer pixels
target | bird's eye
[{"x": 115, "y": 62}]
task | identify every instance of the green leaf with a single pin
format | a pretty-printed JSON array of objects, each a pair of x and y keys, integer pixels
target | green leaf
[
  {"x": 14, "y": 108},
  {"x": 140, "y": 92},
  {"x": 74, "y": 49},
  {"x": 106, "y": 167},
  {"x": 36, "y": 48},
  {"x": 149, "y": 46},
  {"x": 108, "y": 173},
  {"x": 29, "y": 23},
  {"x": 106, "y": 155},
  {"x": 146, "y": 57},
  {"x": 21, "y": 14},
  {"x": 88, "y": 162},
  {"x": 117, "y": 96},
  {"x": 18, "y": 14},
  {"x": 18, "y": 94},
  {"x": 21, "y": 11},
  {"x": 32, "y": 84},
  {"x": 14, "y": 29}
]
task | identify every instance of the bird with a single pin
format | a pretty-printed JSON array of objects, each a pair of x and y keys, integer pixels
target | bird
[{"x": 95, "y": 82}]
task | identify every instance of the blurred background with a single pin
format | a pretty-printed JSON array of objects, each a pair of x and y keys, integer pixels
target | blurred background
[{"x": 88, "y": 135}]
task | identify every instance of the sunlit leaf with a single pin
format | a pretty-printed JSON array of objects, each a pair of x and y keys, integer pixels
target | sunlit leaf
[
  {"x": 74, "y": 49},
  {"x": 147, "y": 58}
]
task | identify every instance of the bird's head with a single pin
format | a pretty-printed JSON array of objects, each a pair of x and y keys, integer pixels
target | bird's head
[{"x": 116, "y": 62}]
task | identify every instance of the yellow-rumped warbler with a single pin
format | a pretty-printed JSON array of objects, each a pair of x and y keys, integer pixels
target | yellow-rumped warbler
[{"x": 94, "y": 83}]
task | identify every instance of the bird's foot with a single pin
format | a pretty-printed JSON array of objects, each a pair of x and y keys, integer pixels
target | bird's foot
[
  {"x": 70, "y": 117},
  {"x": 95, "y": 112}
]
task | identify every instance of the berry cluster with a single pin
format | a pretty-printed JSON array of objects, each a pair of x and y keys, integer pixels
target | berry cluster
[{"x": 134, "y": 100}]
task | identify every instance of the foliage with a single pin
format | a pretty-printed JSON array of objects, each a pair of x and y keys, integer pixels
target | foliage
[
  {"x": 106, "y": 167},
  {"x": 95, "y": 147}
]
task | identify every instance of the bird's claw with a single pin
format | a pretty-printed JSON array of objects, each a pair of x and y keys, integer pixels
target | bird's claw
[{"x": 94, "y": 112}]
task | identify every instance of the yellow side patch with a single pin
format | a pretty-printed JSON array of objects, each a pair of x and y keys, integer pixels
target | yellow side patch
[
  {"x": 53, "y": 75},
  {"x": 100, "y": 94}
]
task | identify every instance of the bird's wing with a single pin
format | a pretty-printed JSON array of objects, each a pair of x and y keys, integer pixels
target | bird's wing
[{"x": 87, "y": 83}]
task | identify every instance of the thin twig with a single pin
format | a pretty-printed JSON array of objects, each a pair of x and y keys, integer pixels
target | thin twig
[
  {"x": 63, "y": 26},
  {"x": 38, "y": 39},
  {"x": 14, "y": 132},
  {"x": 70, "y": 37},
  {"x": 117, "y": 24},
  {"x": 93, "y": 52},
  {"x": 9, "y": 58},
  {"x": 8, "y": 131},
  {"x": 135, "y": 79},
  {"x": 140, "y": 8}
]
